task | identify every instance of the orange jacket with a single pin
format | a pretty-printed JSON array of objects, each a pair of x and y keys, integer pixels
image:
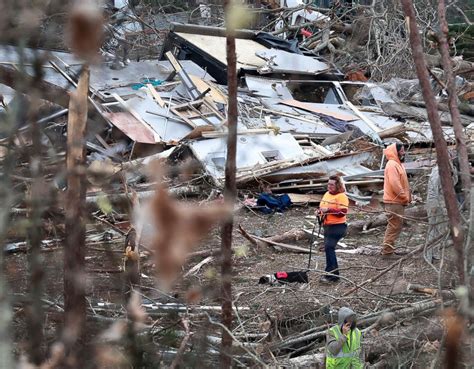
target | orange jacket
[
  {"x": 337, "y": 206},
  {"x": 396, "y": 189}
]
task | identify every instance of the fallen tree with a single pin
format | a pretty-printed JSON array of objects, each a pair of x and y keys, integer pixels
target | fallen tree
[
  {"x": 386, "y": 348},
  {"x": 417, "y": 212}
]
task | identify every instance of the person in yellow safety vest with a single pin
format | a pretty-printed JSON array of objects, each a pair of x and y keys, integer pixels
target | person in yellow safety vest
[{"x": 344, "y": 343}]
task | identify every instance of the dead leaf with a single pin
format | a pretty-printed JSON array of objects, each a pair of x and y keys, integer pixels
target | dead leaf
[
  {"x": 179, "y": 228},
  {"x": 194, "y": 295},
  {"x": 265, "y": 326}
]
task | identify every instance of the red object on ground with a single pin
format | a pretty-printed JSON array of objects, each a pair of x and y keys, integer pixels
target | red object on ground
[
  {"x": 305, "y": 33},
  {"x": 281, "y": 275}
]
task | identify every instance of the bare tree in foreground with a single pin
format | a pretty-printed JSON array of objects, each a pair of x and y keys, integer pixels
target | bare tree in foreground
[
  {"x": 230, "y": 193},
  {"x": 453, "y": 105},
  {"x": 457, "y": 231}
]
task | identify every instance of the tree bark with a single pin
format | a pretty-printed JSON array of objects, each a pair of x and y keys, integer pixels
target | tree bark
[
  {"x": 465, "y": 67},
  {"x": 74, "y": 252},
  {"x": 457, "y": 231},
  {"x": 34, "y": 311},
  {"x": 230, "y": 191},
  {"x": 453, "y": 105}
]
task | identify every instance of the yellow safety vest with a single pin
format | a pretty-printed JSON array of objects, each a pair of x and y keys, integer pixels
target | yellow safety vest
[{"x": 348, "y": 357}]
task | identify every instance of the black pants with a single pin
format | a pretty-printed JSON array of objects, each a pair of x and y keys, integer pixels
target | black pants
[{"x": 332, "y": 234}]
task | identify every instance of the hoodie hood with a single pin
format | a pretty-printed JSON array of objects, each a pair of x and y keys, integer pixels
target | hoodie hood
[
  {"x": 391, "y": 153},
  {"x": 344, "y": 314}
]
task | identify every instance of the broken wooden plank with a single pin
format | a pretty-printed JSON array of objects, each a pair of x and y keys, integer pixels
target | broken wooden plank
[
  {"x": 194, "y": 112},
  {"x": 187, "y": 81},
  {"x": 215, "y": 94},
  {"x": 155, "y": 95},
  {"x": 368, "y": 121}
]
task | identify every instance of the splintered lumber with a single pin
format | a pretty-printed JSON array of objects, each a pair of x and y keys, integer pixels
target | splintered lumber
[
  {"x": 155, "y": 95},
  {"x": 265, "y": 241},
  {"x": 187, "y": 81},
  {"x": 215, "y": 94}
]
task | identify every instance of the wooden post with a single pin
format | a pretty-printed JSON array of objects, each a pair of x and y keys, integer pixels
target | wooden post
[
  {"x": 457, "y": 231},
  {"x": 230, "y": 192},
  {"x": 74, "y": 252}
]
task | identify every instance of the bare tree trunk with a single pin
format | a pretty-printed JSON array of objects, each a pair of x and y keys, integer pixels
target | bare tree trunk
[
  {"x": 229, "y": 194},
  {"x": 34, "y": 310},
  {"x": 453, "y": 105},
  {"x": 457, "y": 232},
  {"x": 74, "y": 253}
]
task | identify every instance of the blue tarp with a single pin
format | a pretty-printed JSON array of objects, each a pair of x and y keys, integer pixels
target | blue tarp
[{"x": 270, "y": 203}]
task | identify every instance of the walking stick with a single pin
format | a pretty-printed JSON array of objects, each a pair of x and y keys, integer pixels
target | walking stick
[{"x": 320, "y": 222}]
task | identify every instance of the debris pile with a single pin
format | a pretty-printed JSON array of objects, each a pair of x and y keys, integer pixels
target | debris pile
[{"x": 300, "y": 120}]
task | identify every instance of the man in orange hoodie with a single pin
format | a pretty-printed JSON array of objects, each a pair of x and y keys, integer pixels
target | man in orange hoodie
[{"x": 396, "y": 195}]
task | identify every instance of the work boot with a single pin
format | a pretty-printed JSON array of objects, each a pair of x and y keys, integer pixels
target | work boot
[
  {"x": 327, "y": 280},
  {"x": 387, "y": 250}
]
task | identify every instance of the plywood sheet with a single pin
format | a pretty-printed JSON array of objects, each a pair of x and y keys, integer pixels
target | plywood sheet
[
  {"x": 297, "y": 198},
  {"x": 216, "y": 47},
  {"x": 132, "y": 127}
]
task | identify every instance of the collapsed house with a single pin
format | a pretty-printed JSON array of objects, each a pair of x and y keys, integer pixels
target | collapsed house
[{"x": 298, "y": 121}]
